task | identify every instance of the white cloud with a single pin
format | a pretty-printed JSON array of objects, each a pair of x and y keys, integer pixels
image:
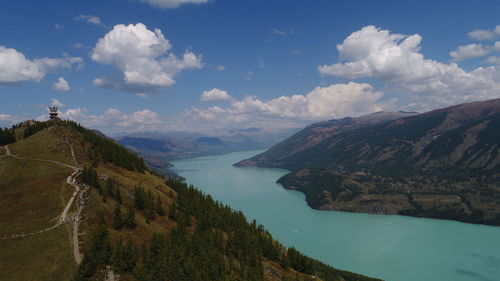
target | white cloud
[
  {"x": 469, "y": 51},
  {"x": 481, "y": 34},
  {"x": 396, "y": 60},
  {"x": 95, "y": 20},
  {"x": 215, "y": 95},
  {"x": 278, "y": 31},
  {"x": 16, "y": 69},
  {"x": 334, "y": 101},
  {"x": 143, "y": 58},
  {"x": 493, "y": 60},
  {"x": 474, "y": 51},
  {"x": 61, "y": 85},
  {"x": 114, "y": 120},
  {"x": 281, "y": 32},
  {"x": 495, "y": 47},
  {"x": 220, "y": 68},
  {"x": 56, "y": 102},
  {"x": 78, "y": 45},
  {"x": 170, "y": 4},
  {"x": 58, "y": 26}
]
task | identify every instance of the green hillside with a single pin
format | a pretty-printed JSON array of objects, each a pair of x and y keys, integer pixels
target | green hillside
[
  {"x": 78, "y": 206},
  {"x": 440, "y": 164}
]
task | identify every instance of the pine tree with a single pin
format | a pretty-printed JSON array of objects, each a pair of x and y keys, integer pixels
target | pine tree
[
  {"x": 117, "y": 219},
  {"x": 124, "y": 258},
  {"x": 118, "y": 195},
  {"x": 108, "y": 191},
  {"x": 172, "y": 212},
  {"x": 130, "y": 218},
  {"x": 158, "y": 207},
  {"x": 139, "y": 198}
]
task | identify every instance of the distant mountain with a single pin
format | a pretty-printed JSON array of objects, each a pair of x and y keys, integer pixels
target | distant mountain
[
  {"x": 440, "y": 164},
  {"x": 78, "y": 206},
  {"x": 209, "y": 141},
  {"x": 180, "y": 145},
  {"x": 144, "y": 143}
]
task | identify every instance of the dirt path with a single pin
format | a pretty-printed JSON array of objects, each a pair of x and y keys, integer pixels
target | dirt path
[
  {"x": 76, "y": 246},
  {"x": 80, "y": 190},
  {"x": 7, "y": 149},
  {"x": 71, "y": 181}
]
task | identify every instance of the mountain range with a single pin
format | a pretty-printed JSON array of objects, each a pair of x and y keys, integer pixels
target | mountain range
[
  {"x": 158, "y": 148},
  {"x": 440, "y": 164}
]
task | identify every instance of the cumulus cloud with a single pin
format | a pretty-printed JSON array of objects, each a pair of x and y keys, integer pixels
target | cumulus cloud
[
  {"x": 215, "y": 95},
  {"x": 58, "y": 26},
  {"x": 469, "y": 51},
  {"x": 143, "y": 58},
  {"x": 61, "y": 85},
  {"x": 334, "y": 101},
  {"x": 474, "y": 51},
  {"x": 16, "y": 69},
  {"x": 481, "y": 34},
  {"x": 396, "y": 60},
  {"x": 285, "y": 112},
  {"x": 114, "y": 120},
  {"x": 95, "y": 20},
  {"x": 220, "y": 68},
  {"x": 493, "y": 60},
  {"x": 5, "y": 116},
  {"x": 171, "y": 4},
  {"x": 56, "y": 102}
]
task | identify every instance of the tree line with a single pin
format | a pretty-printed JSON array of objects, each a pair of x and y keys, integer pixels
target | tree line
[
  {"x": 105, "y": 149},
  {"x": 209, "y": 242}
]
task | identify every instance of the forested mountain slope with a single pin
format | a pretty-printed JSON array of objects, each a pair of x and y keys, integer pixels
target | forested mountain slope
[
  {"x": 441, "y": 164},
  {"x": 78, "y": 206}
]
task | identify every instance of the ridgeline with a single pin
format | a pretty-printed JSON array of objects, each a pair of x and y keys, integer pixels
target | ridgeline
[{"x": 440, "y": 164}]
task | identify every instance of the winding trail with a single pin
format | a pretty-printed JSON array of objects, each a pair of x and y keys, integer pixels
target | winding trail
[{"x": 80, "y": 190}]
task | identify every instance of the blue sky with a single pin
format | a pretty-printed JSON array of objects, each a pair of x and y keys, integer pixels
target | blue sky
[{"x": 249, "y": 57}]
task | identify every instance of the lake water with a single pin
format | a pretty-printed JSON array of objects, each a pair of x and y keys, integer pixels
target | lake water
[{"x": 394, "y": 248}]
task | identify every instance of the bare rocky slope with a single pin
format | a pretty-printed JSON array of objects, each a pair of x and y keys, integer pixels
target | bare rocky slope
[{"x": 440, "y": 164}]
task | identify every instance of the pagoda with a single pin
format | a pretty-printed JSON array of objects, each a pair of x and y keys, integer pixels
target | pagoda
[{"x": 53, "y": 113}]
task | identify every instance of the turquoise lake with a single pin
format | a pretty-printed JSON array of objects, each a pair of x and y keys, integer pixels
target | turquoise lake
[{"x": 394, "y": 248}]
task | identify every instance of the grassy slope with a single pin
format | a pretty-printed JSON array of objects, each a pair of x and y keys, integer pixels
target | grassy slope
[
  {"x": 47, "y": 256},
  {"x": 46, "y": 144},
  {"x": 41, "y": 186},
  {"x": 32, "y": 195}
]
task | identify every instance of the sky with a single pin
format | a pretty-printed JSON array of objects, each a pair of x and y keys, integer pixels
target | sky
[{"x": 215, "y": 66}]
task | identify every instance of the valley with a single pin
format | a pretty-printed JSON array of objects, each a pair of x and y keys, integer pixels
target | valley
[
  {"x": 441, "y": 164},
  {"x": 390, "y": 247},
  {"x": 78, "y": 206}
]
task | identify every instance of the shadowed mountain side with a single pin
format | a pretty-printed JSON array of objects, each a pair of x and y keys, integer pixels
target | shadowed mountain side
[{"x": 440, "y": 164}]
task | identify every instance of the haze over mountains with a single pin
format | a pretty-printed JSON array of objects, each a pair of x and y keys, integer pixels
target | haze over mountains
[
  {"x": 159, "y": 148},
  {"x": 440, "y": 164}
]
